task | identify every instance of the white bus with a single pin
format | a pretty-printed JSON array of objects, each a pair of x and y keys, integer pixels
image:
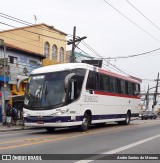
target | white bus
[{"x": 79, "y": 94}]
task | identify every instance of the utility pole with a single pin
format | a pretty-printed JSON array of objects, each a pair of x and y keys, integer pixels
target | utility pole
[
  {"x": 155, "y": 94},
  {"x": 73, "y": 43},
  {"x": 147, "y": 99},
  {"x": 2, "y": 44}
]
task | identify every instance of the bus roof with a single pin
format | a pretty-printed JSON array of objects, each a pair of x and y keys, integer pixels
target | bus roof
[
  {"x": 59, "y": 67},
  {"x": 69, "y": 66}
]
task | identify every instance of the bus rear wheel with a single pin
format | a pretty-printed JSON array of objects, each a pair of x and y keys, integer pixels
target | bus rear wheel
[
  {"x": 50, "y": 129},
  {"x": 85, "y": 122},
  {"x": 127, "y": 120}
]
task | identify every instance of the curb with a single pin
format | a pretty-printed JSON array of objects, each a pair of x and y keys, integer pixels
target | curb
[{"x": 13, "y": 129}]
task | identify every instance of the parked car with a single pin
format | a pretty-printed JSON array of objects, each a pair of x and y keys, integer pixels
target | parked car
[{"x": 149, "y": 115}]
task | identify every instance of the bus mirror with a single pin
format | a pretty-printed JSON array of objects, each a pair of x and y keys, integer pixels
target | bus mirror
[
  {"x": 67, "y": 80},
  {"x": 72, "y": 95},
  {"x": 20, "y": 80}
]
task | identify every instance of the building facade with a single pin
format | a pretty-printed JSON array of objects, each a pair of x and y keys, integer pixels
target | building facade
[
  {"x": 15, "y": 62},
  {"x": 25, "y": 49},
  {"x": 41, "y": 39}
]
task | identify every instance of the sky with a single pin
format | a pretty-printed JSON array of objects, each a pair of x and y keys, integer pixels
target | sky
[{"x": 113, "y": 29}]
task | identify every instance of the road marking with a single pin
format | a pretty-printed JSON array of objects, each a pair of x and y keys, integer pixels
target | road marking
[
  {"x": 90, "y": 132},
  {"x": 54, "y": 139},
  {"x": 26, "y": 139},
  {"x": 44, "y": 141},
  {"x": 51, "y": 136},
  {"x": 118, "y": 149}
]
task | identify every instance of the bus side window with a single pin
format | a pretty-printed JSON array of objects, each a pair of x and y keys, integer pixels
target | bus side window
[
  {"x": 78, "y": 86},
  {"x": 114, "y": 85},
  {"x": 123, "y": 87},
  {"x": 126, "y": 87},
  {"x": 91, "y": 82},
  {"x": 101, "y": 81},
  {"x": 104, "y": 83},
  {"x": 118, "y": 86},
  {"x": 79, "y": 78},
  {"x": 133, "y": 89},
  {"x": 111, "y": 84},
  {"x": 137, "y": 89},
  {"x": 130, "y": 88}
]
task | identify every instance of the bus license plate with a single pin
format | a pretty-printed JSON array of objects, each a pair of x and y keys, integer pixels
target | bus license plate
[{"x": 40, "y": 122}]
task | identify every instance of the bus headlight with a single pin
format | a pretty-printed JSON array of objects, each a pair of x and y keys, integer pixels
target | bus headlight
[
  {"x": 25, "y": 114},
  {"x": 59, "y": 111}
]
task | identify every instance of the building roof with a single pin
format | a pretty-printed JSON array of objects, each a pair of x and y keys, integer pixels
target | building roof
[
  {"x": 36, "y": 26},
  {"x": 9, "y": 46}
]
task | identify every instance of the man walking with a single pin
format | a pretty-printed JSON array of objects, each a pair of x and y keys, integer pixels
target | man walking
[
  {"x": 14, "y": 115},
  {"x": 9, "y": 115}
]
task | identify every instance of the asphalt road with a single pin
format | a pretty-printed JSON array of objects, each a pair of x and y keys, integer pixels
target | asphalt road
[{"x": 140, "y": 137}]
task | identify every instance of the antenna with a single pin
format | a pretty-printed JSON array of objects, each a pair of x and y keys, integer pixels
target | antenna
[{"x": 35, "y": 18}]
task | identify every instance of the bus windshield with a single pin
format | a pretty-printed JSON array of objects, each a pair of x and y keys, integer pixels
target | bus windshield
[{"x": 47, "y": 91}]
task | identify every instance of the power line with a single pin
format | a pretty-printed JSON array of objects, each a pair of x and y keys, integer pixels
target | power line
[
  {"x": 88, "y": 55},
  {"x": 99, "y": 56},
  {"x": 23, "y": 22},
  {"x": 34, "y": 32},
  {"x": 131, "y": 21},
  {"x": 142, "y": 14},
  {"x": 26, "y": 23},
  {"x": 131, "y": 56},
  {"x": 91, "y": 49}
]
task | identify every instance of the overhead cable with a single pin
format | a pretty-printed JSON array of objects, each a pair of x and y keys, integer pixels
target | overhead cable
[
  {"x": 131, "y": 56},
  {"x": 100, "y": 57},
  {"x": 142, "y": 14},
  {"x": 132, "y": 21},
  {"x": 34, "y": 32},
  {"x": 23, "y": 22}
]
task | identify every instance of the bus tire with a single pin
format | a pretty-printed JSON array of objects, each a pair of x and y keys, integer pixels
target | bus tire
[
  {"x": 127, "y": 119},
  {"x": 50, "y": 129},
  {"x": 85, "y": 122}
]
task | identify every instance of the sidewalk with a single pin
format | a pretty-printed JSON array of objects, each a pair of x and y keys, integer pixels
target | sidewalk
[{"x": 12, "y": 128}]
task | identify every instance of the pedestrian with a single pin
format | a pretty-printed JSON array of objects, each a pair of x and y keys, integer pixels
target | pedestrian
[
  {"x": 9, "y": 115},
  {"x": 14, "y": 115}
]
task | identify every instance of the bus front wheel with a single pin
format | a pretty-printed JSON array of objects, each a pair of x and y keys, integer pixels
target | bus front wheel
[{"x": 85, "y": 122}]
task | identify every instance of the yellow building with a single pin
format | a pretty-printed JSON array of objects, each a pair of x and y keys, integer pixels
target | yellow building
[
  {"x": 40, "y": 39},
  {"x": 26, "y": 47}
]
